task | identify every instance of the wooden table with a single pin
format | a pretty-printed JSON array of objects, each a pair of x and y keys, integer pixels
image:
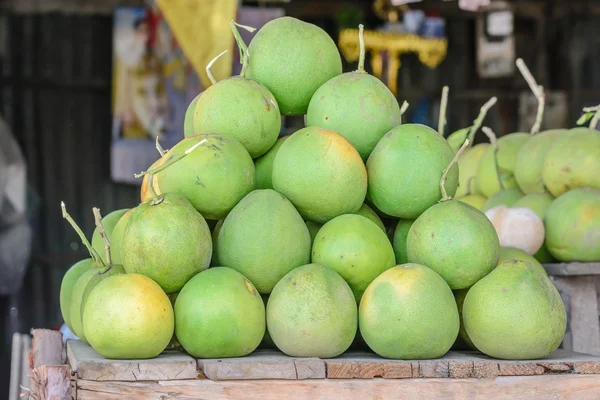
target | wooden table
[{"x": 577, "y": 283}]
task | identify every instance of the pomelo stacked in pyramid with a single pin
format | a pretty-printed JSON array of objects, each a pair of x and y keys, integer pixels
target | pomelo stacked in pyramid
[{"x": 343, "y": 234}]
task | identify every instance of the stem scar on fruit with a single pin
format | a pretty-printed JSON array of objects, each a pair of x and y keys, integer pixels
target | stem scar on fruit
[
  {"x": 93, "y": 253},
  {"x": 445, "y": 196},
  {"x": 100, "y": 226},
  {"x": 492, "y": 136},
  {"x": 157, "y": 199},
  {"x": 538, "y": 92}
]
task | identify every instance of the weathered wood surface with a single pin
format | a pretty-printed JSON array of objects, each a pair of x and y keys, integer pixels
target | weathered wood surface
[
  {"x": 91, "y": 366},
  {"x": 49, "y": 379},
  {"x": 572, "y": 269},
  {"x": 549, "y": 387},
  {"x": 46, "y": 348}
]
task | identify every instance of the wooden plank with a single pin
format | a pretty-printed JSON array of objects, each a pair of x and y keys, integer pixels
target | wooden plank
[
  {"x": 90, "y": 365},
  {"x": 46, "y": 348},
  {"x": 565, "y": 386},
  {"x": 52, "y": 382},
  {"x": 263, "y": 364},
  {"x": 571, "y": 269},
  {"x": 584, "y": 323}
]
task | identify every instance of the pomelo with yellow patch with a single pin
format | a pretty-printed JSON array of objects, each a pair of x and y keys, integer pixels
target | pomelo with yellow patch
[
  {"x": 467, "y": 167},
  {"x": 320, "y": 173},
  {"x": 128, "y": 317},
  {"x": 475, "y": 200},
  {"x": 573, "y": 226},
  {"x": 409, "y": 313},
  {"x": 145, "y": 192},
  {"x": 512, "y": 253}
]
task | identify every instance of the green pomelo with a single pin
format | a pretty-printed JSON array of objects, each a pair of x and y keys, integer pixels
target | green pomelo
[
  {"x": 356, "y": 248},
  {"x": 218, "y": 314},
  {"x": 67, "y": 285},
  {"x": 173, "y": 343},
  {"x": 266, "y": 342},
  {"x": 409, "y": 313},
  {"x": 240, "y": 108},
  {"x": 312, "y": 313},
  {"x": 215, "y": 237},
  {"x": 457, "y": 138},
  {"x": 313, "y": 229},
  {"x": 264, "y": 166},
  {"x": 293, "y": 59},
  {"x": 320, "y": 173},
  {"x": 188, "y": 119},
  {"x": 475, "y": 200},
  {"x": 506, "y": 197},
  {"x": 369, "y": 110},
  {"x": 530, "y": 161},
  {"x": 573, "y": 226},
  {"x": 538, "y": 203},
  {"x": 515, "y": 313},
  {"x": 214, "y": 177},
  {"x": 264, "y": 238},
  {"x": 399, "y": 240},
  {"x": 109, "y": 221},
  {"x": 168, "y": 241},
  {"x": 467, "y": 170},
  {"x": 487, "y": 173},
  {"x": 405, "y": 169},
  {"x": 459, "y": 296},
  {"x": 117, "y": 238},
  {"x": 128, "y": 317},
  {"x": 512, "y": 253},
  {"x": 455, "y": 240},
  {"x": 573, "y": 161},
  {"x": 370, "y": 214},
  {"x": 95, "y": 280}
]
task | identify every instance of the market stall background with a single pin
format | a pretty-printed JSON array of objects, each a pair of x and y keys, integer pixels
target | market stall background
[{"x": 56, "y": 84}]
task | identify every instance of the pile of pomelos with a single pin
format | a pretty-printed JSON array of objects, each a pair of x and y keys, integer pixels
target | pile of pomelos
[{"x": 243, "y": 238}]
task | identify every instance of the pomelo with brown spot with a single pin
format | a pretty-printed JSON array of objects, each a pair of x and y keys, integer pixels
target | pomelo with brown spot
[
  {"x": 409, "y": 313},
  {"x": 321, "y": 173}
]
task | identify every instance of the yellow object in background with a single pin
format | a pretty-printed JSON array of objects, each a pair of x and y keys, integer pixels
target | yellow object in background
[{"x": 202, "y": 30}]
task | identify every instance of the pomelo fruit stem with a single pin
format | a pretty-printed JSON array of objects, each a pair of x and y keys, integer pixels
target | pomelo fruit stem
[
  {"x": 445, "y": 173},
  {"x": 443, "y": 106},
  {"x": 596, "y": 117},
  {"x": 538, "y": 92},
  {"x": 210, "y": 64},
  {"x": 244, "y": 54},
  {"x": 93, "y": 254},
  {"x": 404, "y": 107},
  {"x": 161, "y": 151},
  {"x": 479, "y": 120},
  {"x": 492, "y": 136},
  {"x": 100, "y": 226},
  {"x": 361, "y": 57}
]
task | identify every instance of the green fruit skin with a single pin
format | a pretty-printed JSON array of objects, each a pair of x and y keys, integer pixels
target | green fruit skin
[
  {"x": 515, "y": 313},
  {"x": 67, "y": 284},
  {"x": 530, "y": 161},
  {"x": 168, "y": 242},
  {"x": 572, "y": 226},
  {"x": 512, "y": 253},
  {"x": 320, "y": 173},
  {"x": 214, "y": 177},
  {"x": 455, "y": 240},
  {"x": 312, "y": 313},
  {"x": 506, "y": 197},
  {"x": 128, "y": 316},
  {"x": 264, "y": 238},
  {"x": 409, "y": 313},
  {"x": 109, "y": 221},
  {"x": 468, "y": 163},
  {"x": 459, "y": 296},
  {"x": 487, "y": 176},
  {"x": 457, "y": 138},
  {"x": 313, "y": 229},
  {"x": 188, "y": 119},
  {"x": 215, "y": 237},
  {"x": 266, "y": 342},
  {"x": 117, "y": 238},
  {"x": 241, "y": 108},
  {"x": 370, "y": 214},
  {"x": 538, "y": 203},
  {"x": 264, "y": 166},
  {"x": 368, "y": 112},
  {"x": 405, "y": 169},
  {"x": 218, "y": 314},
  {"x": 573, "y": 161},
  {"x": 292, "y": 59},
  {"x": 95, "y": 280},
  {"x": 399, "y": 240},
  {"x": 356, "y": 248},
  {"x": 475, "y": 200}
]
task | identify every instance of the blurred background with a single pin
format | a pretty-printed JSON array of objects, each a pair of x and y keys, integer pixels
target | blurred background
[{"x": 86, "y": 86}]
